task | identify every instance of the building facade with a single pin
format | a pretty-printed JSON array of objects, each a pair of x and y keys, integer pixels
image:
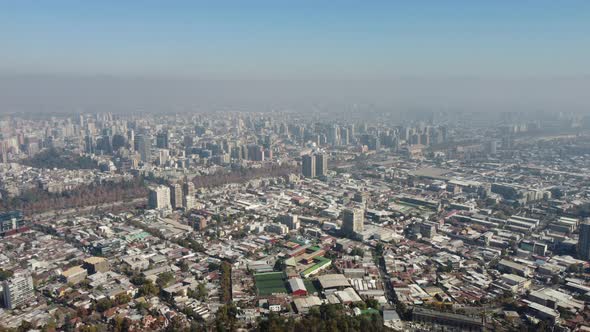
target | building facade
[
  {"x": 159, "y": 198},
  {"x": 352, "y": 221},
  {"x": 18, "y": 290}
]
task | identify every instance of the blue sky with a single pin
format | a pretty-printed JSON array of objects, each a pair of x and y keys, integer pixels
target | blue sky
[{"x": 356, "y": 40}]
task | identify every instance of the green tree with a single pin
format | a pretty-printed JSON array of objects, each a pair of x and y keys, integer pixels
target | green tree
[
  {"x": 357, "y": 252},
  {"x": 183, "y": 266},
  {"x": 279, "y": 265},
  {"x": 148, "y": 288},
  {"x": 379, "y": 249},
  {"x": 25, "y": 326},
  {"x": 164, "y": 279},
  {"x": 202, "y": 292},
  {"x": 123, "y": 298},
  {"x": 104, "y": 304},
  {"x": 5, "y": 274}
]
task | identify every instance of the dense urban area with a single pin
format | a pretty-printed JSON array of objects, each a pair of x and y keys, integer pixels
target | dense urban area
[{"x": 287, "y": 221}]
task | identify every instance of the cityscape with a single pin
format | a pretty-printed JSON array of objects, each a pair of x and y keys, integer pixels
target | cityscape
[
  {"x": 271, "y": 220},
  {"x": 296, "y": 166}
]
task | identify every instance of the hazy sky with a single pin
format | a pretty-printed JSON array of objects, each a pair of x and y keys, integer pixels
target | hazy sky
[{"x": 544, "y": 43}]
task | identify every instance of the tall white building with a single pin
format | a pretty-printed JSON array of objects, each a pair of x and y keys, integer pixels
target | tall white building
[
  {"x": 188, "y": 199},
  {"x": 159, "y": 198},
  {"x": 163, "y": 156},
  {"x": 352, "y": 221},
  {"x": 18, "y": 290}
]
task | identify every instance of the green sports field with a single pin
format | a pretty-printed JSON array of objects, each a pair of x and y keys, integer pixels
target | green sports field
[{"x": 270, "y": 283}]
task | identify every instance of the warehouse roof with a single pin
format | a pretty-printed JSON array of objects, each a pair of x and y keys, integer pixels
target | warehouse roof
[{"x": 333, "y": 281}]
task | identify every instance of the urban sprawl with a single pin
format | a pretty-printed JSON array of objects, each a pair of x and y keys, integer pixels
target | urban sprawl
[{"x": 292, "y": 221}]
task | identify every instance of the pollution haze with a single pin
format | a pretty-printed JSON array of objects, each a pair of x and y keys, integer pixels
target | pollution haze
[
  {"x": 34, "y": 93},
  {"x": 304, "y": 55}
]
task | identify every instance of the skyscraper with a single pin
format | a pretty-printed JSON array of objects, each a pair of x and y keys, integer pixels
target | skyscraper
[
  {"x": 308, "y": 167},
  {"x": 334, "y": 135},
  {"x": 143, "y": 145},
  {"x": 290, "y": 220},
  {"x": 163, "y": 156},
  {"x": 159, "y": 198},
  {"x": 321, "y": 164},
  {"x": 188, "y": 200},
  {"x": 176, "y": 195},
  {"x": 584, "y": 241},
  {"x": 89, "y": 145},
  {"x": 344, "y": 136},
  {"x": 18, "y": 290},
  {"x": 163, "y": 140},
  {"x": 352, "y": 221},
  {"x": 255, "y": 152}
]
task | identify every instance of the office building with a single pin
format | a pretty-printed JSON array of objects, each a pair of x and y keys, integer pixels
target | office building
[
  {"x": 290, "y": 220},
  {"x": 334, "y": 135},
  {"x": 163, "y": 156},
  {"x": 188, "y": 199},
  {"x": 427, "y": 229},
  {"x": 584, "y": 241},
  {"x": 176, "y": 195},
  {"x": 10, "y": 222},
  {"x": 308, "y": 167},
  {"x": 163, "y": 140},
  {"x": 352, "y": 221},
  {"x": 344, "y": 136},
  {"x": 321, "y": 164},
  {"x": 143, "y": 145},
  {"x": 159, "y": 198},
  {"x": 18, "y": 290},
  {"x": 255, "y": 152},
  {"x": 89, "y": 144}
]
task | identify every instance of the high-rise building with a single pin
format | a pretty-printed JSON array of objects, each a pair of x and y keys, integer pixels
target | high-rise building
[
  {"x": 352, "y": 221},
  {"x": 163, "y": 156},
  {"x": 236, "y": 152},
  {"x": 18, "y": 290},
  {"x": 131, "y": 138},
  {"x": 143, "y": 145},
  {"x": 308, "y": 167},
  {"x": 10, "y": 222},
  {"x": 334, "y": 135},
  {"x": 176, "y": 196},
  {"x": 255, "y": 152},
  {"x": 188, "y": 141},
  {"x": 344, "y": 136},
  {"x": 428, "y": 229},
  {"x": 492, "y": 147},
  {"x": 361, "y": 197},
  {"x": 584, "y": 241},
  {"x": 244, "y": 151},
  {"x": 188, "y": 200},
  {"x": 159, "y": 198},
  {"x": 163, "y": 140},
  {"x": 321, "y": 164},
  {"x": 290, "y": 220},
  {"x": 89, "y": 144}
]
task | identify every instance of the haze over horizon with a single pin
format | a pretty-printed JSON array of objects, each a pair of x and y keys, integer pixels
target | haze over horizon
[{"x": 512, "y": 56}]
